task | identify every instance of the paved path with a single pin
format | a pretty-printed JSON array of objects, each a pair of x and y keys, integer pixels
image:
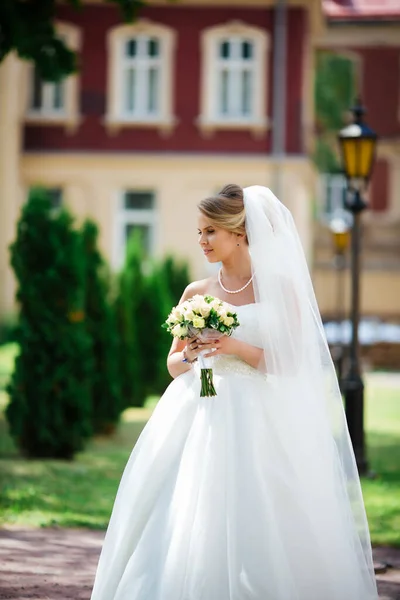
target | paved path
[{"x": 59, "y": 564}]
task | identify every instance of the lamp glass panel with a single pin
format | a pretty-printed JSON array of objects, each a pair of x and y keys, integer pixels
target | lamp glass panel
[
  {"x": 350, "y": 155},
  {"x": 366, "y": 157}
]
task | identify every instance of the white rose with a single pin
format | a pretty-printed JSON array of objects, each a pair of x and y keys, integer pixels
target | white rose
[
  {"x": 179, "y": 331},
  {"x": 222, "y": 313},
  {"x": 199, "y": 322},
  {"x": 215, "y": 304},
  {"x": 205, "y": 309},
  {"x": 189, "y": 315},
  {"x": 228, "y": 321}
]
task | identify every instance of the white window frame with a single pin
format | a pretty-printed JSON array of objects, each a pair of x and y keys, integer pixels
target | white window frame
[
  {"x": 336, "y": 183},
  {"x": 68, "y": 114},
  {"x": 130, "y": 216},
  {"x": 209, "y": 119},
  {"x": 116, "y": 116}
]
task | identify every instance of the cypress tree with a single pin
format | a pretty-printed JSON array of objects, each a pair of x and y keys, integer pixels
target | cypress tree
[
  {"x": 176, "y": 275},
  {"x": 101, "y": 327},
  {"x": 130, "y": 308},
  {"x": 49, "y": 413}
]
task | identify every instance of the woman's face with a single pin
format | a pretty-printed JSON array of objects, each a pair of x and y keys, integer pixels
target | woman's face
[{"x": 217, "y": 244}]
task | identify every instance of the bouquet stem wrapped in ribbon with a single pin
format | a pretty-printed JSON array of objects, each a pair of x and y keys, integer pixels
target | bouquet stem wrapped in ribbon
[{"x": 203, "y": 317}]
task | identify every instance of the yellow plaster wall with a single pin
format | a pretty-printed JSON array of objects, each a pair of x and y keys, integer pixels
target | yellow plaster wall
[
  {"x": 91, "y": 185},
  {"x": 11, "y": 191},
  {"x": 380, "y": 292}
]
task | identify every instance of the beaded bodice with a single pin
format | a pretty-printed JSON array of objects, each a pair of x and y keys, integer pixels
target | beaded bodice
[{"x": 249, "y": 332}]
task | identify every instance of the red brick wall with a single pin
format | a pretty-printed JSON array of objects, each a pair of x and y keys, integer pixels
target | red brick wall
[
  {"x": 379, "y": 192},
  {"x": 381, "y": 89},
  {"x": 95, "y": 21}
]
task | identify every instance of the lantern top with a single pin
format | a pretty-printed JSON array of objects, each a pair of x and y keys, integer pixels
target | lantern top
[
  {"x": 357, "y": 129},
  {"x": 357, "y": 144}
]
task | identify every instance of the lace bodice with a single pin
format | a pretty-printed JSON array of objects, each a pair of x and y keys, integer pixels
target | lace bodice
[{"x": 249, "y": 332}]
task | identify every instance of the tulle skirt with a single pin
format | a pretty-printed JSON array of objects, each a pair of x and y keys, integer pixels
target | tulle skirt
[{"x": 213, "y": 506}]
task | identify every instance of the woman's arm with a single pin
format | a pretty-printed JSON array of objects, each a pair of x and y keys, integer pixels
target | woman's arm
[{"x": 175, "y": 365}]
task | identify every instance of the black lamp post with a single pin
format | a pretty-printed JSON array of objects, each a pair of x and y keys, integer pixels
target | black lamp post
[
  {"x": 339, "y": 226},
  {"x": 357, "y": 144}
]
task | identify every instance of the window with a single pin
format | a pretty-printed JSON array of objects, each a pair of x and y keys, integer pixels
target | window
[
  {"x": 55, "y": 103},
  {"x": 140, "y": 76},
  {"x": 234, "y": 78},
  {"x": 46, "y": 99},
  {"x": 56, "y": 197},
  {"x": 136, "y": 212},
  {"x": 333, "y": 191},
  {"x": 54, "y": 194},
  {"x": 141, "y": 68}
]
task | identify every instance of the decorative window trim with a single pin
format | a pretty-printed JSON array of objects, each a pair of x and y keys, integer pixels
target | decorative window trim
[
  {"x": 125, "y": 216},
  {"x": 208, "y": 122},
  {"x": 166, "y": 120},
  {"x": 70, "y": 116}
]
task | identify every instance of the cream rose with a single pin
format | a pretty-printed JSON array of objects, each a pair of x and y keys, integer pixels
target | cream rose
[
  {"x": 199, "y": 322},
  {"x": 228, "y": 321},
  {"x": 179, "y": 330}
]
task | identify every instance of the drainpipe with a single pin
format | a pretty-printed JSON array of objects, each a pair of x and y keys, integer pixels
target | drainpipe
[{"x": 279, "y": 75}]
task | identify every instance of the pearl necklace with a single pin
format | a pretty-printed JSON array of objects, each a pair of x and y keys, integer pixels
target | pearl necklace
[{"x": 233, "y": 291}]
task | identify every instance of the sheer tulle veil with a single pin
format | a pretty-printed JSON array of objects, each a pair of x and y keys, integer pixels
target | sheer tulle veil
[{"x": 311, "y": 428}]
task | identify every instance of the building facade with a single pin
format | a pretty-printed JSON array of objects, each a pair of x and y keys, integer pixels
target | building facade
[{"x": 193, "y": 95}]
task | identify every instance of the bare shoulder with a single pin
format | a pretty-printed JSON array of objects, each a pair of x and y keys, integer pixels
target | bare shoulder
[{"x": 196, "y": 287}]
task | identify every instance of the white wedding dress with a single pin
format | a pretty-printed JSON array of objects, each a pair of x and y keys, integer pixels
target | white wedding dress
[{"x": 210, "y": 506}]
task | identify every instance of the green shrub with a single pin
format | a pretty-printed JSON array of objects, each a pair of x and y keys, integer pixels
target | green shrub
[
  {"x": 131, "y": 318},
  {"x": 101, "y": 327},
  {"x": 146, "y": 293},
  {"x": 49, "y": 413}
]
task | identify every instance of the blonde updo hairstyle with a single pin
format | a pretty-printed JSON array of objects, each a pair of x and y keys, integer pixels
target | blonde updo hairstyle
[{"x": 226, "y": 209}]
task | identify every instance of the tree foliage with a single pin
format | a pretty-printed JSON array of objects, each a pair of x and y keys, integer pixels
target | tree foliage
[
  {"x": 335, "y": 92},
  {"x": 27, "y": 27},
  {"x": 50, "y": 403},
  {"x": 147, "y": 292},
  {"x": 100, "y": 325},
  {"x": 130, "y": 309}
]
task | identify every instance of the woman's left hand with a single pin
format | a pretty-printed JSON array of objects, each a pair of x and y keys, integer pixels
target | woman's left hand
[{"x": 224, "y": 345}]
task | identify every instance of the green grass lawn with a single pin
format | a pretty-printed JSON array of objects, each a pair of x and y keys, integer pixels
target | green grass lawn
[{"x": 81, "y": 492}]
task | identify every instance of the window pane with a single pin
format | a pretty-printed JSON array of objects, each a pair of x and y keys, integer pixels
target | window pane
[
  {"x": 247, "y": 50},
  {"x": 37, "y": 95},
  {"x": 144, "y": 232},
  {"x": 246, "y": 92},
  {"x": 153, "y": 47},
  {"x": 131, "y": 48},
  {"x": 224, "y": 92},
  {"x": 56, "y": 197},
  {"x": 130, "y": 89},
  {"x": 139, "y": 200},
  {"x": 153, "y": 90},
  {"x": 224, "y": 50},
  {"x": 58, "y": 96}
]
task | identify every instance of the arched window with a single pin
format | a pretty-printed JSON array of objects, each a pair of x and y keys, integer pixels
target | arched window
[
  {"x": 140, "y": 82},
  {"x": 55, "y": 103},
  {"x": 234, "y": 78},
  {"x": 236, "y": 70}
]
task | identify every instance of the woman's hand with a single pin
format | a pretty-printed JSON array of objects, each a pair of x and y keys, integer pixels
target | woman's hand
[
  {"x": 194, "y": 346},
  {"x": 223, "y": 345}
]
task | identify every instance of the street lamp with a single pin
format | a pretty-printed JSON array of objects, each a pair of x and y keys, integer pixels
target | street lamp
[
  {"x": 357, "y": 144},
  {"x": 339, "y": 226}
]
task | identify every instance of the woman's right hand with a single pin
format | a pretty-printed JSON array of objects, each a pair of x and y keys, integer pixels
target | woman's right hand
[{"x": 194, "y": 346}]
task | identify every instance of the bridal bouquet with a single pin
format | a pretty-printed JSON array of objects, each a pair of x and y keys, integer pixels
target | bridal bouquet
[{"x": 203, "y": 317}]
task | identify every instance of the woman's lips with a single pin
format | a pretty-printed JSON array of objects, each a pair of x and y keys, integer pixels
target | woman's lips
[{"x": 206, "y": 251}]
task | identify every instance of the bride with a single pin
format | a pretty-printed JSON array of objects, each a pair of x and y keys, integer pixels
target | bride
[{"x": 252, "y": 494}]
